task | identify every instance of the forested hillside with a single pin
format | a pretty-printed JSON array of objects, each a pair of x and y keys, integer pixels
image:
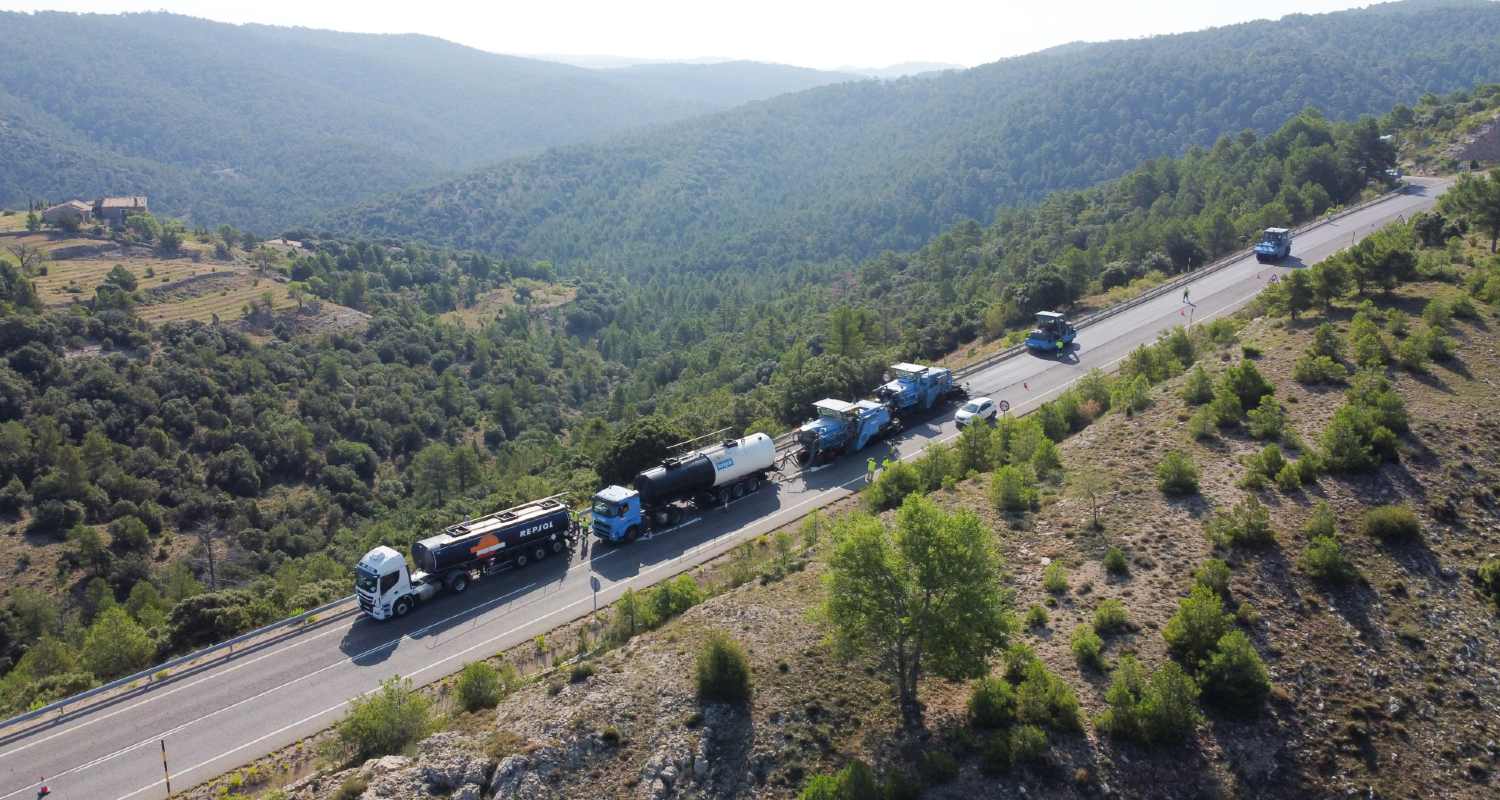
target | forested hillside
[
  {"x": 121, "y": 470},
  {"x": 850, "y": 170},
  {"x": 264, "y": 127}
]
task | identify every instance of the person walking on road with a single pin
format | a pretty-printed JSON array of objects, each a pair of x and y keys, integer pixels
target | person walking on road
[{"x": 1185, "y": 296}]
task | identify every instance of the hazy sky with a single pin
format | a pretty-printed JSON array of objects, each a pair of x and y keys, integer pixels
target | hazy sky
[{"x": 814, "y": 33}]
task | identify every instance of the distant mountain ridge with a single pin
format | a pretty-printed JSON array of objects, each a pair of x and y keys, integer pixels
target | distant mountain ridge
[
  {"x": 846, "y": 171},
  {"x": 265, "y": 126}
]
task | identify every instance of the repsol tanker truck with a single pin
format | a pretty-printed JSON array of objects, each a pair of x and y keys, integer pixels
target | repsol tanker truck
[
  {"x": 700, "y": 478},
  {"x": 461, "y": 554},
  {"x": 841, "y": 428}
]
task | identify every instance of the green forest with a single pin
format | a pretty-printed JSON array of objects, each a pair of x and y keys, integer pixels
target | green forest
[
  {"x": 287, "y": 460},
  {"x": 849, "y": 171},
  {"x": 179, "y": 109}
]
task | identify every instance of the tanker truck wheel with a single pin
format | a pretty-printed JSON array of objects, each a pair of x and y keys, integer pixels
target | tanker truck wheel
[
  {"x": 522, "y": 561},
  {"x": 403, "y": 607},
  {"x": 632, "y": 533},
  {"x": 539, "y": 553},
  {"x": 458, "y": 583},
  {"x": 558, "y": 546},
  {"x": 738, "y": 490}
]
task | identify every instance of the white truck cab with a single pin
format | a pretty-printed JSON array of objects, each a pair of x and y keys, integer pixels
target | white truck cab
[{"x": 386, "y": 588}]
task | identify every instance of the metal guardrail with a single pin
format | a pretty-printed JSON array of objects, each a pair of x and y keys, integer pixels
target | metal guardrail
[
  {"x": 180, "y": 660},
  {"x": 780, "y": 442}
]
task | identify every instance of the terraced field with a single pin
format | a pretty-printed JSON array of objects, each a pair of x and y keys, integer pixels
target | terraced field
[
  {"x": 69, "y": 279},
  {"x": 225, "y": 293}
]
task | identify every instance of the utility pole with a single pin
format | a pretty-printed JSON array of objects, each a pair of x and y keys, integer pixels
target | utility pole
[{"x": 165, "y": 771}]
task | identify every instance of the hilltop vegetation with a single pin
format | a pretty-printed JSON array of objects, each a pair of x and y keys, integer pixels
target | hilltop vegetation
[
  {"x": 180, "y": 109},
  {"x": 847, "y": 171}
]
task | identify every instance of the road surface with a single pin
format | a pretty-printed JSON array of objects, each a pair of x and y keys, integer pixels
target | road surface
[{"x": 263, "y": 699}]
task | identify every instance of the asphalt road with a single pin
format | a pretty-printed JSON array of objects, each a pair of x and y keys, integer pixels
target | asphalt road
[{"x": 263, "y": 699}]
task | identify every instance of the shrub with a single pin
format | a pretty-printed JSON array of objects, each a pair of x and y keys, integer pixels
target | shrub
[
  {"x": 1268, "y": 419},
  {"x": 1350, "y": 440},
  {"x": 1234, "y": 678},
  {"x": 1087, "y": 647},
  {"x": 992, "y": 704},
  {"x": 1202, "y": 425},
  {"x": 670, "y": 598},
  {"x": 1177, "y": 474},
  {"x": 1055, "y": 577},
  {"x": 1115, "y": 563},
  {"x": 1111, "y": 616},
  {"x": 936, "y": 767},
  {"x": 581, "y": 672},
  {"x": 723, "y": 671},
  {"x": 1160, "y": 709},
  {"x": 1028, "y": 744},
  {"x": 895, "y": 481},
  {"x": 850, "y": 783},
  {"x": 1325, "y": 342},
  {"x": 352, "y": 788},
  {"x": 1391, "y": 524},
  {"x": 1226, "y": 408},
  {"x": 994, "y": 754},
  {"x": 1131, "y": 396},
  {"x": 1044, "y": 699},
  {"x": 1322, "y": 521},
  {"x": 478, "y": 686},
  {"x": 1324, "y": 560},
  {"x": 1014, "y": 488},
  {"x": 1488, "y": 578},
  {"x": 1289, "y": 477},
  {"x": 1198, "y": 388},
  {"x": 1311, "y": 369},
  {"x": 1018, "y": 657},
  {"x": 1036, "y": 616},
  {"x": 1213, "y": 574},
  {"x": 1246, "y": 382},
  {"x": 1196, "y": 628},
  {"x": 1248, "y": 524},
  {"x": 385, "y": 722},
  {"x": 1413, "y": 352}
]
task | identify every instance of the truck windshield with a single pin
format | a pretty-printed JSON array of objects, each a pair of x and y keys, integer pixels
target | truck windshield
[
  {"x": 365, "y": 581},
  {"x": 603, "y": 509}
]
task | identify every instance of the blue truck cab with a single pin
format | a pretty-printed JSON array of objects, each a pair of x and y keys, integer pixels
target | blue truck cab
[
  {"x": 1274, "y": 245},
  {"x": 1052, "y": 334},
  {"x": 616, "y": 514},
  {"x": 914, "y": 388},
  {"x": 842, "y": 427}
]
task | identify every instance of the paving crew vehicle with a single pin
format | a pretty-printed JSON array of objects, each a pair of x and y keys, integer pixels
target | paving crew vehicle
[
  {"x": 702, "y": 476},
  {"x": 1274, "y": 245},
  {"x": 461, "y": 554},
  {"x": 915, "y": 389},
  {"x": 1052, "y": 334},
  {"x": 841, "y": 428}
]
